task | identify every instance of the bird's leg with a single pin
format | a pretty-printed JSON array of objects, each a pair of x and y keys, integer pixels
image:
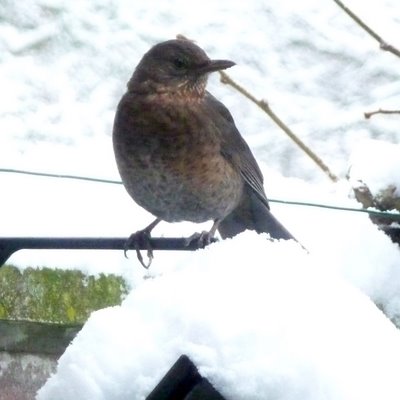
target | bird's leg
[
  {"x": 142, "y": 238},
  {"x": 204, "y": 238}
]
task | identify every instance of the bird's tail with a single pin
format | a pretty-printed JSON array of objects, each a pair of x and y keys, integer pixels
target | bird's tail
[{"x": 252, "y": 214}]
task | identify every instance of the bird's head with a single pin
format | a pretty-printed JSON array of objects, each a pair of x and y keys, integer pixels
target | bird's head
[{"x": 175, "y": 67}]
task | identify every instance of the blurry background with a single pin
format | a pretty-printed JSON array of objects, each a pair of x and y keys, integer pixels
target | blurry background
[{"x": 64, "y": 66}]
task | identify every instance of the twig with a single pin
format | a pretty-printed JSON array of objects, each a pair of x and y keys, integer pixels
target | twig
[
  {"x": 382, "y": 44},
  {"x": 225, "y": 78},
  {"x": 368, "y": 115}
]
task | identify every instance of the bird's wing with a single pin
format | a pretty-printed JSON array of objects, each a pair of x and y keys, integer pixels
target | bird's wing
[{"x": 236, "y": 150}]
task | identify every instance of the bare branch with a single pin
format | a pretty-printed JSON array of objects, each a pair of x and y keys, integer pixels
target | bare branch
[
  {"x": 382, "y": 44},
  {"x": 368, "y": 115},
  {"x": 226, "y": 79}
]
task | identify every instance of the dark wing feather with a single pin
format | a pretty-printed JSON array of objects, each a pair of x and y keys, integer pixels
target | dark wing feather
[{"x": 236, "y": 150}]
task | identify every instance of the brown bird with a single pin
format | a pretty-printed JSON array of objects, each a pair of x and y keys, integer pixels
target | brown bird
[{"x": 179, "y": 153}]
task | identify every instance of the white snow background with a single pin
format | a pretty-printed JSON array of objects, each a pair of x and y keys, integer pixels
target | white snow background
[{"x": 259, "y": 319}]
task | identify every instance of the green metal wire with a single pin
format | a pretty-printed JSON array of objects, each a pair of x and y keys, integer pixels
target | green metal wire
[
  {"x": 393, "y": 215},
  {"x": 48, "y": 175}
]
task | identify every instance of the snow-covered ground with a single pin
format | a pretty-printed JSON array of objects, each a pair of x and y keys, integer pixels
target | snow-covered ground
[
  {"x": 260, "y": 319},
  {"x": 273, "y": 323}
]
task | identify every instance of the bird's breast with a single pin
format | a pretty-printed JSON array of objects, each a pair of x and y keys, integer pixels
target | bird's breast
[{"x": 170, "y": 163}]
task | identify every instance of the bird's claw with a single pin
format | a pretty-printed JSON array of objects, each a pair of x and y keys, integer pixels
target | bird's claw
[
  {"x": 139, "y": 240},
  {"x": 200, "y": 239}
]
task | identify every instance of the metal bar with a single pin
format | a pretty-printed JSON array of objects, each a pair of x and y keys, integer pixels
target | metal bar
[{"x": 9, "y": 245}]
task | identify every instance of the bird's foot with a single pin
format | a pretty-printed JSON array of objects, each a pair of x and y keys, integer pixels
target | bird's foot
[
  {"x": 139, "y": 240},
  {"x": 200, "y": 239}
]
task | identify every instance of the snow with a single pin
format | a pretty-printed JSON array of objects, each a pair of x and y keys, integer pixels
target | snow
[
  {"x": 260, "y": 319},
  {"x": 273, "y": 323},
  {"x": 377, "y": 164}
]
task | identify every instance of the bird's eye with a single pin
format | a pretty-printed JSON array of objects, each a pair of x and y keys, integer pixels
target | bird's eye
[{"x": 180, "y": 63}]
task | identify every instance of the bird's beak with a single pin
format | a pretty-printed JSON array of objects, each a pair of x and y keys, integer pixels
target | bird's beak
[{"x": 214, "y": 65}]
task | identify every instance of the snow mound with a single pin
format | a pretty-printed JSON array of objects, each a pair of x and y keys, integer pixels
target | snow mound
[{"x": 269, "y": 323}]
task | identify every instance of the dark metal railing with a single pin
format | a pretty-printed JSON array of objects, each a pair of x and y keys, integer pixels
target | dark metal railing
[{"x": 9, "y": 245}]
